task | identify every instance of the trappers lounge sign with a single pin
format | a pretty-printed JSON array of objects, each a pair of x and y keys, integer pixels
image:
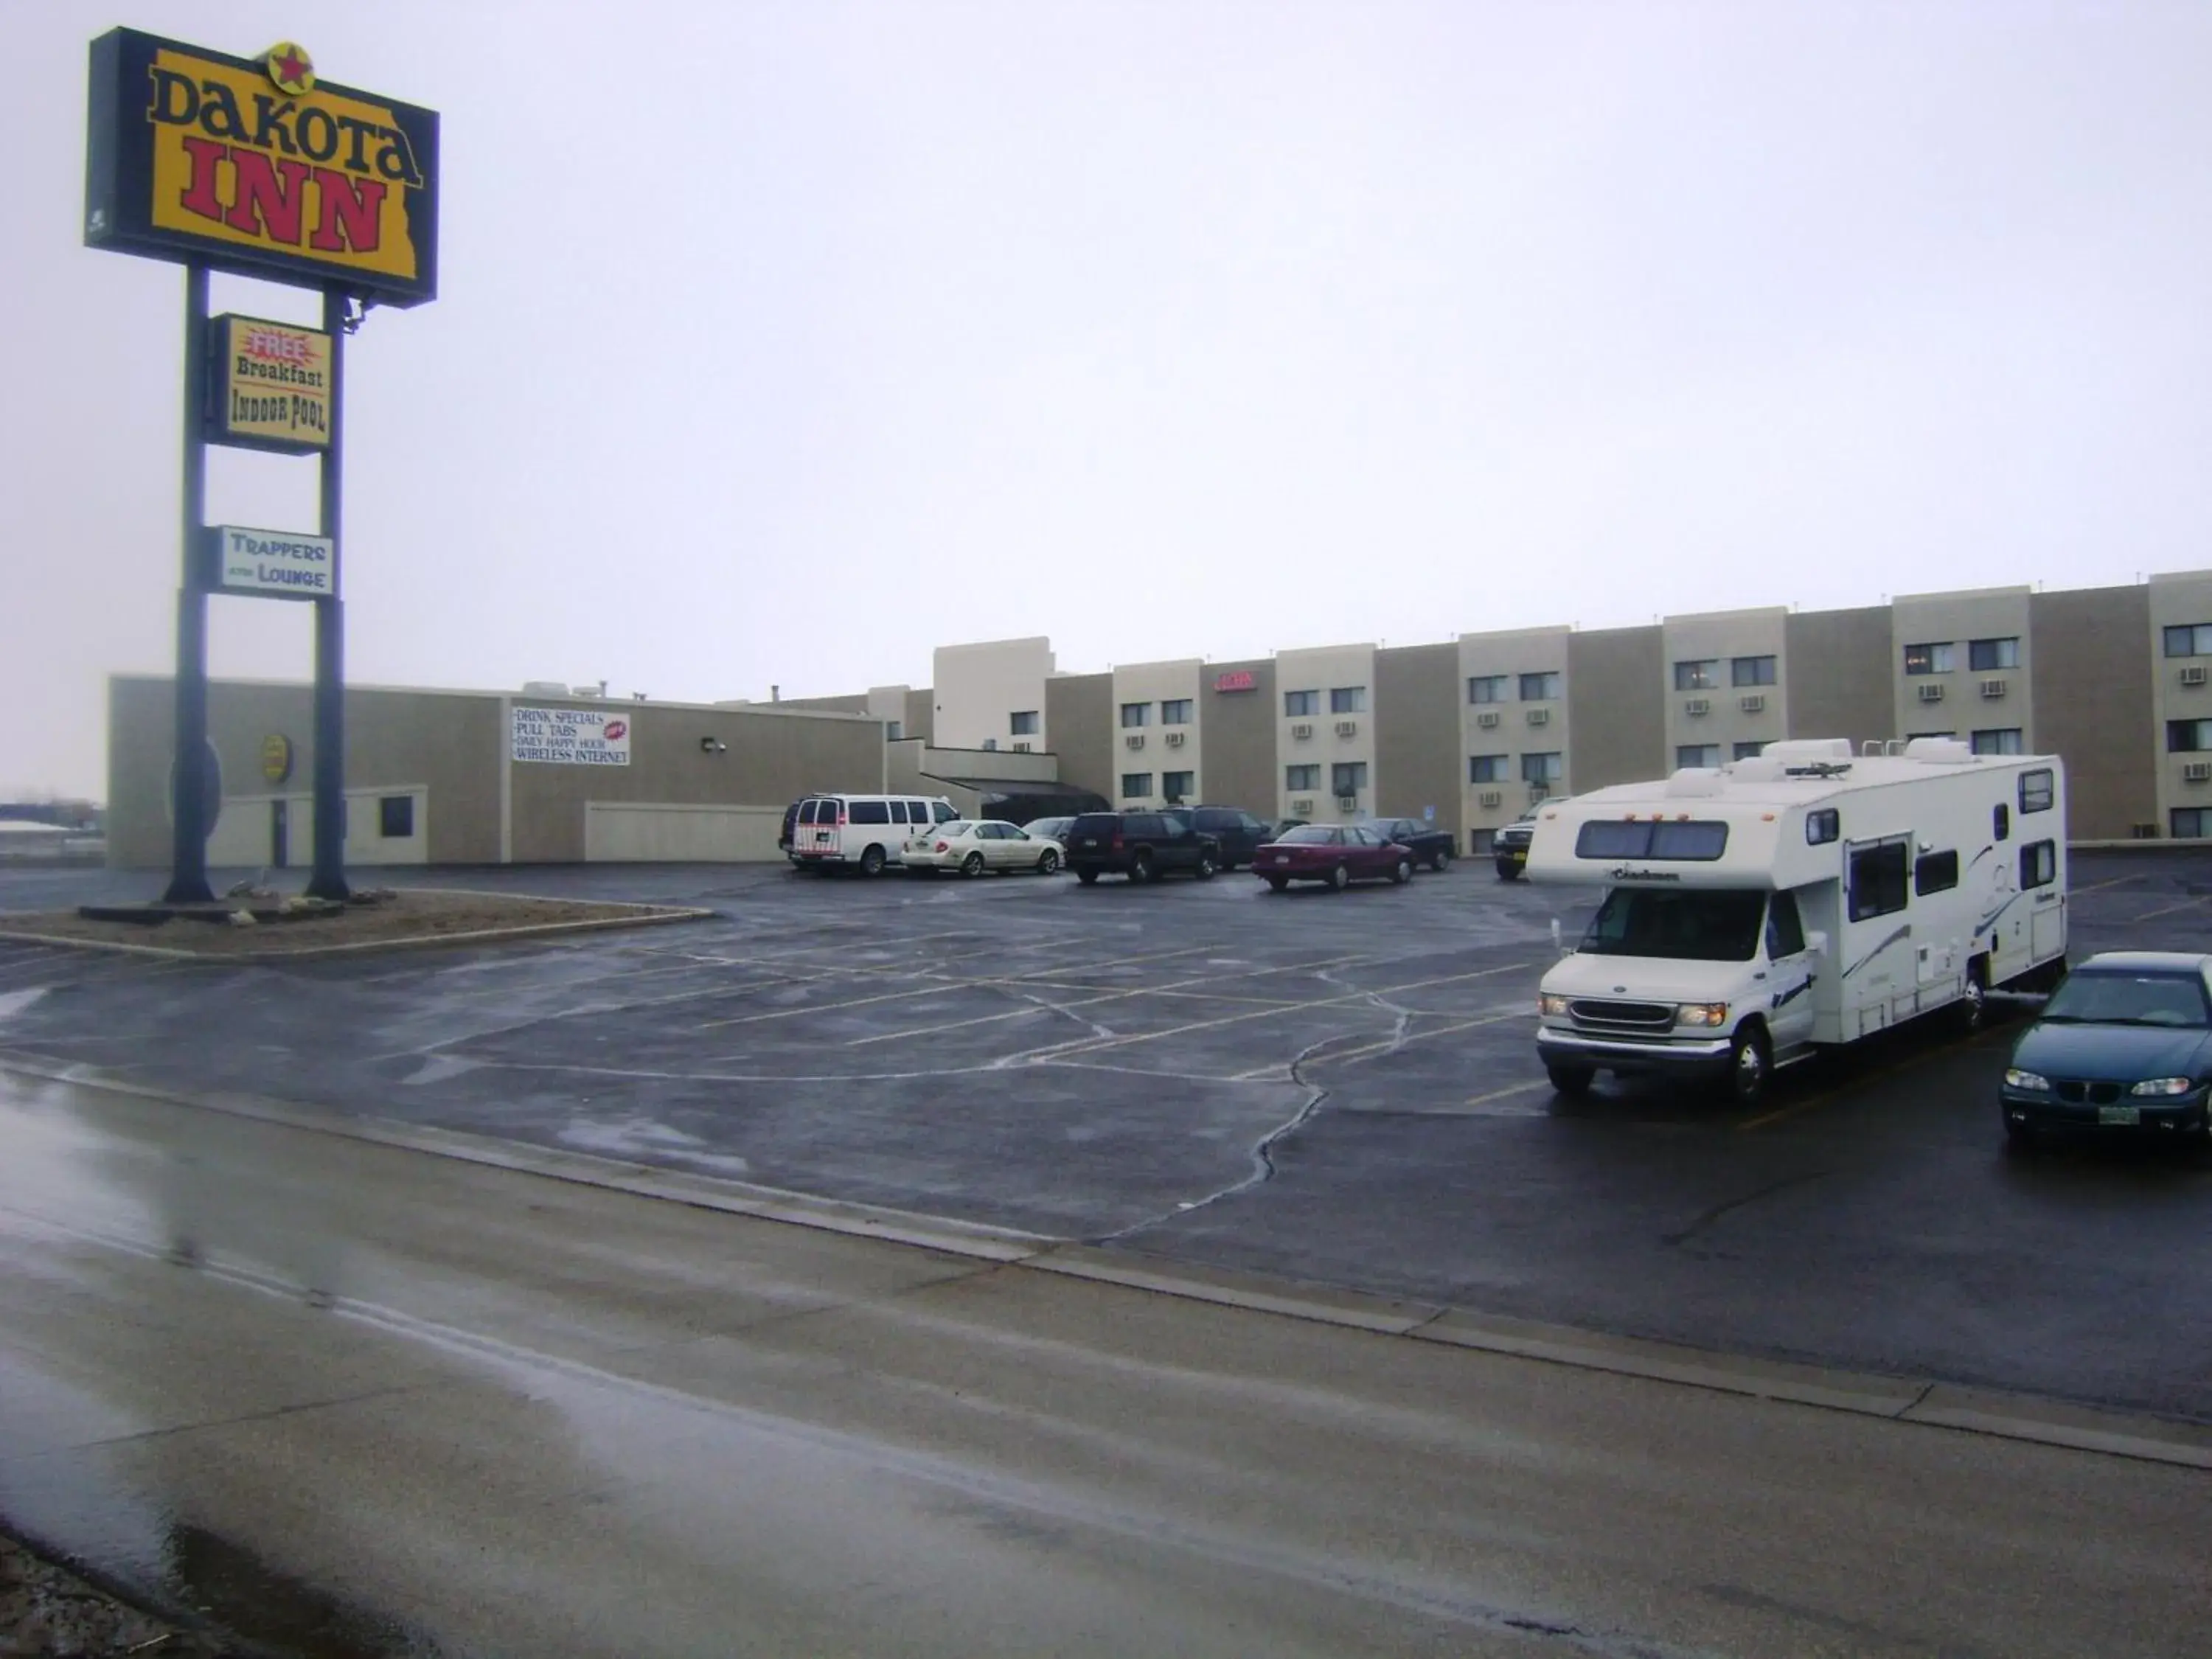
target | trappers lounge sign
[{"x": 254, "y": 166}]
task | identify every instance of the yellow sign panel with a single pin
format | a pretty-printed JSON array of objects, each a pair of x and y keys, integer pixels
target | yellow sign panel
[
  {"x": 276, "y": 757},
  {"x": 272, "y": 385}
]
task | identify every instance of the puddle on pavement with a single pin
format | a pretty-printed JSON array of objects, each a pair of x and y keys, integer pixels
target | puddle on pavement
[{"x": 243, "y": 1594}]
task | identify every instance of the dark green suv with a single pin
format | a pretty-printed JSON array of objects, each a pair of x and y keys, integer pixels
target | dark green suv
[{"x": 1142, "y": 846}]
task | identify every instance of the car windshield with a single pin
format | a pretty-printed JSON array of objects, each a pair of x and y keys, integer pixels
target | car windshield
[
  {"x": 1309, "y": 835},
  {"x": 1685, "y": 926},
  {"x": 2116, "y": 998}
]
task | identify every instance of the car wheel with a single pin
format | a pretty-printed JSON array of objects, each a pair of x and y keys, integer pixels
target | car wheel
[
  {"x": 2019, "y": 1140},
  {"x": 1086, "y": 877},
  {"x": 1339, "y": 877},
  {"x": 1571, "y": 1080},
  {"x": 1751, "y": 1062},
  {"x": 1973, "y": 1007},
  {"x": 1279, "y": 883},
  {"x": 1048, "y": 861},
  {"x": 1205, "y": 867},
  {"x": 972, "y": 865},
  {"x": 1141, "y": 866},
  {"x": 871, "y": 861},
  {"x": 1508, "y": 873},
  {"x": 1440, "y": 861}
]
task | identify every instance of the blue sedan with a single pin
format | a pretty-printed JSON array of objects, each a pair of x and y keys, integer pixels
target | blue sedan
[{"x": 2124, "y": 1045}]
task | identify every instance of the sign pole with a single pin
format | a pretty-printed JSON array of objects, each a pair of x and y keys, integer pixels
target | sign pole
[
  {"x": 188, "y": 882},
  {"x": 329, "y": 880}
]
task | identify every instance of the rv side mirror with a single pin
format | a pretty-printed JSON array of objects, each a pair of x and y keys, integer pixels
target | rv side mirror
[
  {"x": 1816, "y": 942},
  {"x": 1558, "y": 937}
]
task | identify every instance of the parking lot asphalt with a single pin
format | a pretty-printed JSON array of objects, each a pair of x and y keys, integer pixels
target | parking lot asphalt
[{"x": 1338, "y": 1087}]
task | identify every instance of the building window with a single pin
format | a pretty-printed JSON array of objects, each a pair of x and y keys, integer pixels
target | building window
[
  {"x": 1175, "y": 711},
  {"x": 1136, "y": 714},
  {"x": 1490, "y": 688},
  {"x": 1700, "y": 676},
  {"x": 1540, "y": 688},
  {"x": 1697, "y": 754},
  {"x": 1024, "y": 724},
  {"x": 2195, "y": 641},
  {"x": 1347, "y": 700},
  {"x": 1983, "y": 655},
  {"x": 2191, "y": 823},
  {"x": 1178, "y": 786},
  {"x": 2188, "y": 737},
  {"x": 893, "y": 729},
  {"x": 1914, "y": 737},
  {"x": 1302, "y": 780},
  {"x": 1748, "y": 750},
  {"x": 1751, "y": 670},
  {"x": 1930, "y": 659},
  {"x": 1548, "y": 768},
  {"x": 1348, "y": 777},
  {"x": 1136, "y": 786},
  {"x": 395, "y": 816},
  {"x": 991, "y": 744},
  {"x": 1296, "y": 705},
  {"x": 1489, "y": 768},
  {"x": 1999, "y": 740}
]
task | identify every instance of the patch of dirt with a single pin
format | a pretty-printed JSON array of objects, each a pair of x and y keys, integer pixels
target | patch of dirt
[
  {"x": 51, "y": 1613},
  {"x": 408, "y": 916}
]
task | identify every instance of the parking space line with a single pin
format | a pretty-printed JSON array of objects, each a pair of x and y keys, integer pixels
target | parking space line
[
  {"x": 2113, "y": 881},
  {"x": 1352, "y": 1056},
  {"x": 1506, "y": 1094},
  {"x": 1093, "y": 1045},
  {"x": 2166, "y": 910}
]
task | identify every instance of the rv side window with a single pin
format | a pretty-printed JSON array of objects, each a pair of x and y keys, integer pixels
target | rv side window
[
  {"x": 2001, "y": 822},
  {"x": 1785, "y": 933},
  {"x": 1823, "y": 826},
  {"x": 2035, "y": 790},
  {"x": 2038, "y": 864},
  {"x": 1878, "y": 871},
  {"x": 1935, "y": 872}
]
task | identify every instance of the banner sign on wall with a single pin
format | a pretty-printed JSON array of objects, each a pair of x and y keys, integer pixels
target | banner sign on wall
[
  {"x": 269, "y": 386},
  {"x": 255, "y": 166},
  {"x": 572, "y": 737},
  {"x": 274, "y": 563},
  {"x": 1242, "y": 679}
]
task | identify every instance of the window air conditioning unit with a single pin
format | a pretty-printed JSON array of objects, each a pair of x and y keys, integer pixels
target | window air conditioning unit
[
  {"x": 1303, "y": 729},
  {"x": 1134, "y": 740},
  {"x": 1348, "y": 803},
  {"x": 1174, "y": 739},
  {"x": 1540, "y": 717},
  {"x": 2193, "y": 674},
  {"x": 2142, "y": 832},
  {"x": 1753, "y": 704},
  {"x": 1491, "y": 798},
  {"x": 2197, "y": 772},
  {"x": 1993, "y": 688},
  {"x": 1932, "y": 692},
  {"x": 1489, "y": 716},
  {"x": 1021, "y": 749},
  {"x": 1347, "y": 728},
  {"x": 1300, "y": 808},
  {"x": 1698, "y": 706}
]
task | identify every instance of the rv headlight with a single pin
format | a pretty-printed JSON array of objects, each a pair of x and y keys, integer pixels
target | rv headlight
[
  {"x": 1552, "y": 1007},
  {"x": 2034, "y": 1083},
  {"x": 1701, "y": 1013},
  {"x": 2163, "y": 1085}
]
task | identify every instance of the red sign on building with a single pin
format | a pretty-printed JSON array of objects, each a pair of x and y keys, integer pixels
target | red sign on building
[{"x": 1242, "y": 680}]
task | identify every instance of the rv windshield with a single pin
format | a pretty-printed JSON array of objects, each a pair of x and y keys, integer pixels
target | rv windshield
[{"x": 1690, "y": 926}]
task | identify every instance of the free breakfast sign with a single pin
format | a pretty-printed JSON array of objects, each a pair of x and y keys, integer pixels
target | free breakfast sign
[{"x": 571, "y": 737}]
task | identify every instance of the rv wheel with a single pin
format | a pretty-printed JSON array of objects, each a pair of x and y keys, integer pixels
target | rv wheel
[
  {"x": 1570, "y": 1080},
  {"x": 1974, "y": 1004},
  {"x": 1749, "y": 1064}
]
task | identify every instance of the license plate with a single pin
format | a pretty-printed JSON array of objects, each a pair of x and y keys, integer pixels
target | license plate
[
  {"x": 2119, "y": 1114},
  {"x": 1090, "y": 840},
  {"x": 1281, "y": 858}
]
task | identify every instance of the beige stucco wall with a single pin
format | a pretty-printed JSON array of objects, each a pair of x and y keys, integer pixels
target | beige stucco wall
[
  {"x": 1239, "y": 728},
  {"x": 1617, "y": 708},
  {"x": 1324, "y": 668},
  {"x": 1733, "y": 714},
  {"x": 1159, "y": 747},
  {"x": 1416, "y": 731},
  {"x": 2094, "y": 696},
  {"x": 1080, "y": 714},
  {"x": 1839, "y": 674},
  {"x": 1958, "y": 619},
  {"x": 2180, "y": 600},
  {"x": 977, "y": 688},
  {"x": 1521, "y": 727}
]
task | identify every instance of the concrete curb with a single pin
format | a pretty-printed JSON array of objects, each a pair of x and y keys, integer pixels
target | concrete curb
[
  {"x": 1995, "y": 1413},
  {"x": 654, "y": 916}
]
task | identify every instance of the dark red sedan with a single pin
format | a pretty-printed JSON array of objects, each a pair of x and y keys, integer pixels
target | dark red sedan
[{"x": 1337, "y": 853}]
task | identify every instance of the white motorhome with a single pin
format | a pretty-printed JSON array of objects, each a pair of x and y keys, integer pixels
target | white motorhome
[{"x": 1758, "y": 912}]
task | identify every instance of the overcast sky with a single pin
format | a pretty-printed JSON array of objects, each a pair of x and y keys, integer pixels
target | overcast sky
[{"x": 779, "y": 344}]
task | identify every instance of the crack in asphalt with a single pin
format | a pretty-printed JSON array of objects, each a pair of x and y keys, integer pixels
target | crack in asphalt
[{"x": 1710, "y": 1217}]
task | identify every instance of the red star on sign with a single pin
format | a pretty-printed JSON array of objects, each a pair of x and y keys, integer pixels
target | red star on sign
[{"x": 291, "y": 69}]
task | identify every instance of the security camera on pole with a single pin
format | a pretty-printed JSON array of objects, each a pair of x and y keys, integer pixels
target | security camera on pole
[{"x": 258, "y": 167}]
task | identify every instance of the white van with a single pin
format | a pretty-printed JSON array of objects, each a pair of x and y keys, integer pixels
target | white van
[
  {"x": 1757, "y": 913},
  {"x": 860, "y": 832}
]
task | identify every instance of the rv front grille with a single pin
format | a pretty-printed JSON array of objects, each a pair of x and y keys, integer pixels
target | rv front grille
[
  {"x": 1623, "y": 1015},
  {"x": 2093, "y": 1094}
]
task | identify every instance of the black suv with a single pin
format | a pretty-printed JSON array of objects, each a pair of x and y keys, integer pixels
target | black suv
[
  {"x": 1142, "y": 846},
  {"x": 1430, "y": 845},
  {"x": 1239, "y": 833},
  {"x": 1509, "y": 846}
]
